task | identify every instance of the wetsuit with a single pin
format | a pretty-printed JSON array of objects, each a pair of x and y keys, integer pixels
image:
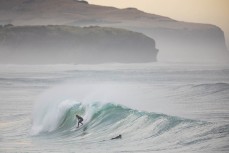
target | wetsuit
[{"x": 80, "y": 120}]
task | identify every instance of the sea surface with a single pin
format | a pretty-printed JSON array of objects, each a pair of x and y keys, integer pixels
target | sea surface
[{"x": 156, "y": 107}]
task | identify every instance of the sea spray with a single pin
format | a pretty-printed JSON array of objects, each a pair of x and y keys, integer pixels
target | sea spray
[
  {"x": 63, "y": 102},
  {"x": 49, "y": 118}
]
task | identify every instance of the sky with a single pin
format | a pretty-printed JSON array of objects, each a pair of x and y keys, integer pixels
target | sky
[{"x": 200, "y": 11}]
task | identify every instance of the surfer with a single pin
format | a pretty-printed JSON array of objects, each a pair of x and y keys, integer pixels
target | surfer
[
  {"x": 80, "y": 120},
  {"x": 118, "y": 137}
]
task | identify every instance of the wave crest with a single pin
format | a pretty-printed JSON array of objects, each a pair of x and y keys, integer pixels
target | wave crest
[{"x": 61, "y": 117}]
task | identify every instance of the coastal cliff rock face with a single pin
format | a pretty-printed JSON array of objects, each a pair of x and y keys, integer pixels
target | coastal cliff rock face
[
  {"x": 177, "y": 41},
  {"x": 73, "y": 45}
]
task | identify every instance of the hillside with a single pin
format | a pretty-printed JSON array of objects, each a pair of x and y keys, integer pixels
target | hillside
[
  {"x": 176, "y": 40},
  {"x": 73, "y": 45}
]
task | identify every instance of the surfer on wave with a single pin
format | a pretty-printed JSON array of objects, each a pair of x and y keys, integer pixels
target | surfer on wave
[{"x": 80, "y": 120}]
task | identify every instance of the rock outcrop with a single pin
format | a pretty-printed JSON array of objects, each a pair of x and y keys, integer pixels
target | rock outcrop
[{"x": 73, "y": 45}]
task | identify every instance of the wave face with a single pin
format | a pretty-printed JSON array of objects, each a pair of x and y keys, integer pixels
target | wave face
[{"x": 105, "y": 121}]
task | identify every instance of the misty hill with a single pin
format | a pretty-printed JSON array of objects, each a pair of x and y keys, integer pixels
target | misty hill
[
  {"x": 73, "y": 45},
  {"x": 177, "y": 41}
]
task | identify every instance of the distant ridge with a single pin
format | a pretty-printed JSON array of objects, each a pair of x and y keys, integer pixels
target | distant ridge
[
  {"x": 61, "y": 44},
  {"x": 177, "y": 41}
]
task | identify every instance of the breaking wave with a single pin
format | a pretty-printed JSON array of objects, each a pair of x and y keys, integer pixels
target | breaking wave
[{"x": 104, "y": 121}]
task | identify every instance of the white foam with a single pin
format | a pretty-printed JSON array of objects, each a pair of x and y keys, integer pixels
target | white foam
[{"x": 49, "y": 119}]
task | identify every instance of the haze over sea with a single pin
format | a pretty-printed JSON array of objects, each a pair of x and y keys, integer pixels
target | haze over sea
[{"x": 156, "y": 107}]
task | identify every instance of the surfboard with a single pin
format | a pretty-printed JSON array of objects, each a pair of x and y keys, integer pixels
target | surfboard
[
  {"x": 75, "y": 128},
  {"x": 84, "y": 126}
]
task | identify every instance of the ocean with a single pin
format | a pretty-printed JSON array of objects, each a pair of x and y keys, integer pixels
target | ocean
[{"x": 155, "y": 107}]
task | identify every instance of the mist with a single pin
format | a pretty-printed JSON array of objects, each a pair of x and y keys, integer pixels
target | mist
[{"x": 74, "y": 45}]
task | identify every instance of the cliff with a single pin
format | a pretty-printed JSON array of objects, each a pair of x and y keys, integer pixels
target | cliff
[
  {"x": 177, "y": 41},
  {"x": 73, "y": 45}
]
